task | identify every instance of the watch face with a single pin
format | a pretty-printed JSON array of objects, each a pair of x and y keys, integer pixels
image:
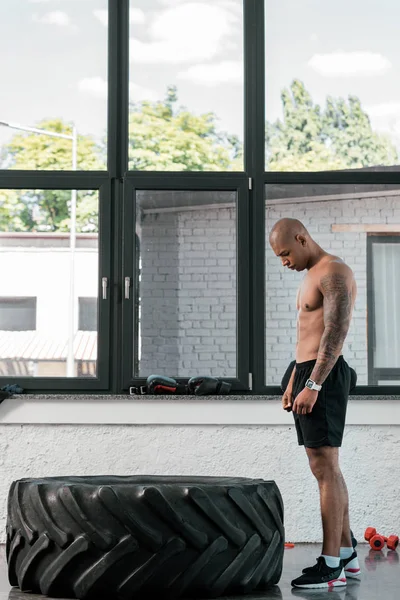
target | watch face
[{"x": 309, "y": 384}]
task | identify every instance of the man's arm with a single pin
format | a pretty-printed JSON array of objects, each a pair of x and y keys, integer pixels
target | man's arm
[{"x": 336, "y": 287}]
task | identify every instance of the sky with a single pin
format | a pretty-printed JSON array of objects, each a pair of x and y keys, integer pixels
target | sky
[{"x": 56, "y": 63}]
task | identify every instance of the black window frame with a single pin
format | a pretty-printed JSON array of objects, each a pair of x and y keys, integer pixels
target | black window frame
[
  {"x": 376, "y": 373},
  {"x": 118, "y": 248}
]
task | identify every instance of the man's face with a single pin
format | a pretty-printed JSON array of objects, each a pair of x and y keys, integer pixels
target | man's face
[{"x": 293, "y": 252}]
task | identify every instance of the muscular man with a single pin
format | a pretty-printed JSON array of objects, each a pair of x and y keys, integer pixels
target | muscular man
[{"x": 318, "y": 387}]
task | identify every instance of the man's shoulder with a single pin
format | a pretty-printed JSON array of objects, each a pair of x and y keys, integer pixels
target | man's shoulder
[{"x": 335, "y": 264}]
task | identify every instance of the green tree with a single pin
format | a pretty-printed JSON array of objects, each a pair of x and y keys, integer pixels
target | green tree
[
  {"x": 48, "y": 210},
  {"x": 309, "y": 138},
  {"x": 163, "y": 137}
]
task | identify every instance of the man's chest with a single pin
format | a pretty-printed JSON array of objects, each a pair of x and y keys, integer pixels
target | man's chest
[{"x": 309, "y": 298}]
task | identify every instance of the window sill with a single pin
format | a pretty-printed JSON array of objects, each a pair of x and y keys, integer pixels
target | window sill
[{"x": 168, "y": 410}]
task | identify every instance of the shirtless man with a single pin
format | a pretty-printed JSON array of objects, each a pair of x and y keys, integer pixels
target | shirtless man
[{"x": 318, "y": 388}]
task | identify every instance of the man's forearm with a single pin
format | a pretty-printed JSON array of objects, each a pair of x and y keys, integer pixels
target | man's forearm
[
  {"x": 330, "y": 349},
  {"x": 290, "y": 384}
]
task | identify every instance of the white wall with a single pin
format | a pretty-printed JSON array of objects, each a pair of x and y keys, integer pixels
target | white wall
[
  {"x": 43, "y": 273},
  {"x": 369, "y": 462}
]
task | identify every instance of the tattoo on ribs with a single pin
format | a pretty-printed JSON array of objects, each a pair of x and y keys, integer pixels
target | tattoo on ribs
[{"x": 337, "y": 314}]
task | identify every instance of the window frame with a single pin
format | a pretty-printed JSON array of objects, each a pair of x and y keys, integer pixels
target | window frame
[
  {"x": 376, "y": 373},
  {"x": 189, "y": 182}
]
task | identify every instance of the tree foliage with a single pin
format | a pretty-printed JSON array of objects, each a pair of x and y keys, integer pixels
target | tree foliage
[
  {"x": 311, "y": 138},
  {"x": 165, "y": 137},
  {"x": 48, "y": 210}
]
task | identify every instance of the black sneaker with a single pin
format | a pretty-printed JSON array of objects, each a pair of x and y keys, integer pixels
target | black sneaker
[
  {"x": 353, "y": 539},
  {"x": 351, "y": 566},
  {"x": 321, "y": 576}
]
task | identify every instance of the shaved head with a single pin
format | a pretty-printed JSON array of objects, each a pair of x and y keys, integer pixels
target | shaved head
[
  {"x": 292, "y": 243},
  {"x": 286, "y": 230}
]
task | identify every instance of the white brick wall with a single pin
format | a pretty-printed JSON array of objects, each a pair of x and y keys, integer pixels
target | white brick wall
[
  {"x": 189, "y": 286},
  {"x": 188, "y": 293},
  {"x": 319, "y": 217}
]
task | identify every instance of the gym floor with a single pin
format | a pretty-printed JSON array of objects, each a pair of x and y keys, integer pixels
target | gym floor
[{"x": 380, "y": 577}]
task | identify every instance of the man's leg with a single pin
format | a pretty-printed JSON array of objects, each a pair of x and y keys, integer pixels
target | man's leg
[
  {"x": 346, "y": 536},
  {"x": 324, "y": 464}
]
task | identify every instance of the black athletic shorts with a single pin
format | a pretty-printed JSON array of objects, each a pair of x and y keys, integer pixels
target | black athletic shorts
[{"x": 324, "y": 426}]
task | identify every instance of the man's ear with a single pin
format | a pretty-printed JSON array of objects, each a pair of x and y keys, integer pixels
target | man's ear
[{"x": 301, "y": 239}]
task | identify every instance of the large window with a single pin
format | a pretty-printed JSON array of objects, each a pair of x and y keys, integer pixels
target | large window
[
  {"x": 347, "y": 221},
  {"x": 332, "y": 97},
  {"x": 188, "y": 290},
  {"x": 146, "y": 149},
  {"x": 53, "y": 101},
  {"x": 49, "y": 262},
  {"x": 186, "y": 86}
]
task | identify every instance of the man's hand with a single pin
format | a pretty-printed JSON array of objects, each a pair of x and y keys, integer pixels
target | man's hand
[
  {"x": 287, "y": 399},
  {"x": 305, "y": 401}
]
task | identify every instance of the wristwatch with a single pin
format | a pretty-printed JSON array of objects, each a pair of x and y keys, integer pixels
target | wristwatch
[{"x": 310, "y": 384}]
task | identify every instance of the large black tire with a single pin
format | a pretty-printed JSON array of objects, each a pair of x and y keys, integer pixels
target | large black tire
[{"x": 142, "y": 537}]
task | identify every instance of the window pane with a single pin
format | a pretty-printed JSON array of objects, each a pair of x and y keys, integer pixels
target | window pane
[
  {"x": 386, "y": 298},
  {"x": 332, "y": 98},
  {"x": 56, "y": 79},
  {"x": 17, "y": 314},
  {"x": 87, "y": 314},
  {"x": 340, "y": 218},
  {"x": 187, "y": 284},
  {"x": 44, "y": 272},
  {"x": 186, "y": 85}
]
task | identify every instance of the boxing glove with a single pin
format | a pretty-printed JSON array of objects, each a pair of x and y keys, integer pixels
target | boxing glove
[
  {"x": 203, "y": 386},
  {"x": 159, "y": 384}
]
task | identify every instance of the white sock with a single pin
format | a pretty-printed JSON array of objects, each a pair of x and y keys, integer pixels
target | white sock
[
  {"x": 331, "y": 561},
  {"x": 346, "y": 552}
]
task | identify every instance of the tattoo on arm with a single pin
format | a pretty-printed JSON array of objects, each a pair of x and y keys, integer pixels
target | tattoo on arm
[{"x": 337, "y": 315}]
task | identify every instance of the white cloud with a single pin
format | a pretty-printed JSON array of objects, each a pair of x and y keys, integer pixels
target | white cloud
[
  {"x": 95, "y": 86},
  {"x": 136, "y": 16},
  {"x": 346, "y": 64},
  {"x": 138, "y": 93},
  {"x": 171, "y": 2},
  {"x": 98, "y": 87},
  {"x": 102, "y": 16},
  {"x": 189, "y": 32},
  {"x": 385, "y": 109},
  {"x": 56, "y": 17},
  {"x": 227, "y": 71},
  {"x": 43, "y": 1}
]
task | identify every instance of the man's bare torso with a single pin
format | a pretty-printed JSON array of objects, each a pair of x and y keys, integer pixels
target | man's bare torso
[{"x": 310, "y": 320}]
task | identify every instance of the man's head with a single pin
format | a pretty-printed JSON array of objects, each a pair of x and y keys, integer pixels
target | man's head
[{"x": 291, "y": 242}]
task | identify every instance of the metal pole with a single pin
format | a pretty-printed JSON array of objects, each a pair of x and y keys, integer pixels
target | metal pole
[
  {"x": 35, "y": 130},
  {"x": 72, "y": 246}
]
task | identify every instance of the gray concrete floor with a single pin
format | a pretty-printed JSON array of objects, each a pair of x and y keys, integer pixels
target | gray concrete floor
[{"x": 380, "y": 577}]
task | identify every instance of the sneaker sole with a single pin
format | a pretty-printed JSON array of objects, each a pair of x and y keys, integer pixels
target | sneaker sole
[
  {"x": 330, "y": 584},
  {"x": 353, "y": 573}
]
